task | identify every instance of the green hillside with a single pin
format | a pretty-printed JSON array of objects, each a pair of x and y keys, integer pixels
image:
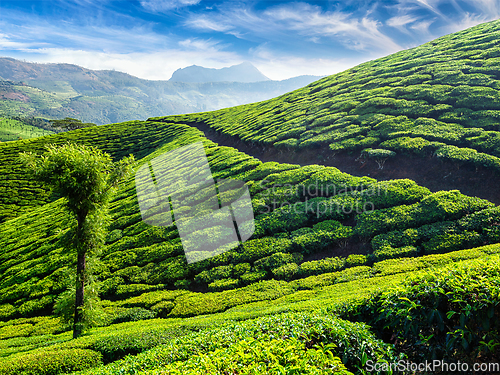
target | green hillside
[
  {"x": 11, "y": 130},
  {"x": 104, "y": 96},
  {"x": 341, "y": 270},
  {"x": 441, "y": 99}
]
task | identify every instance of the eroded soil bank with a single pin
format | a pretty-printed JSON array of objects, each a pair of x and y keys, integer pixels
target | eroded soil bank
[{"x": 430, "y": 171}]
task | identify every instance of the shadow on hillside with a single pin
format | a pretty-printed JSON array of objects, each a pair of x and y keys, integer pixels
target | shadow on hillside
[{"x": 434, "y": 173}]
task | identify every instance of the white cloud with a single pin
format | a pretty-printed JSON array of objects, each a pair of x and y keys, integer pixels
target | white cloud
[
  {"x": 401, "y": 22},
  {"x": 154, "y": 66},
  {"x": 279, "y": 67},
  {"x": 355, "y": 33},
  {"x": 200, "y": 45},
  {"x": 467, "y": 20},
  {"x": 39, "y": 33},
  {"x": 137, "y": 50},
  {"x": 423, "y": 29},
  {"x": 431, "y": 5},
  {"x": 488, "y": 7},
  {"x": 141, "y": 51},
  {"x": 204, "y": 23},
  {"x": 166, "y": 5},
  {"x": 298, "y": 20}
]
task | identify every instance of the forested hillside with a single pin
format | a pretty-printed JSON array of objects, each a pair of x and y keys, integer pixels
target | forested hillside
[{"x": 105, "y": 96}]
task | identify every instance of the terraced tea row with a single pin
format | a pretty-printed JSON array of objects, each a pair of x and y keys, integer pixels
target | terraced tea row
[
  {"x": 441, "y": 98},
  {"x": 300, "y": 212}
]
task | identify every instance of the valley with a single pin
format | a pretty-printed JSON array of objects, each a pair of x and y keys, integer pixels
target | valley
[{"x": 103, "y": 97}]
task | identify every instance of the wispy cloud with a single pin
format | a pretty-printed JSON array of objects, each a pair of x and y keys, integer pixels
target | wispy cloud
[
  {"x": 488, "y": 7},
  {"x": 467, "y": 20},
  {"x": 153, "y": 38},
  {"x": 166, "y": 5},
  {"x": 422, "y": 29},
  {"x": 298, "y": 20},
  {"x": 34, "y": 32},
  {"x": 410, "y": 19},
  {"x": 203, "y": 22},
  {"x": 137, "y": 50},
  {"x": 432, "y": 5},
  {"x": 401, "y": 22}
]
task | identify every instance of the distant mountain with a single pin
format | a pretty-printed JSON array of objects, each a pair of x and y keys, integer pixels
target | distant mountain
[
  {"x": 105, "y": 96},
  {"x": 244, "y": 72}
]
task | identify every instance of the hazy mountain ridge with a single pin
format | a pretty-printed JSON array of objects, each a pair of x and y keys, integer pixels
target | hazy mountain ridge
[
  {"x": 244, "y": 72},
  {"x": 106, "y": 96}
]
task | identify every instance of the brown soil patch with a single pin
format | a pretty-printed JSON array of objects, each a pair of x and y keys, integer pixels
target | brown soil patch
[{"x": 15, "y": 96}]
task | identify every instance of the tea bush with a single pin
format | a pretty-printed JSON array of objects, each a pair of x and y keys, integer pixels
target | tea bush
[
  {"x": 448, "y": 313},
  {"x": 48, "y": 362},
  {"x": 317, "y": 267},
  {"x": 132, "y": 315},
  {"x": 252, "y": 356},
  {"x": 440, "y": 206},
  {"x": 388, "y": 252},
  {"x": 223, "y": 284},
  {"x": 352, "y": 343},
  {"x": 117, "y": 346}
]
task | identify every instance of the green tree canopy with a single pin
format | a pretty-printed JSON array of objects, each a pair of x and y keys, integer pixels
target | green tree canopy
[
  {"x": 85, "y": 177},
  {"x": 69, "y": 123}
]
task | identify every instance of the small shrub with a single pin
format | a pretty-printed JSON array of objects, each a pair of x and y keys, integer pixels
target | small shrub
[
  {"x": 354, "y": 260},
  {"x": 182, "y": 284},
  {"x": 379, "y": 155},
  {"x": 51, "y": 362},
  {"x": 273, "y": 261},
  {"x": 133, "y": 314},
  {"x": 163, "y": 308},
  {"x": 129, "y": 290},
  {"x": 241, "y": 268},
  {"x": 223, "y": 284},
  {"x": 317, "y": 267},
  {"x": 118, "y": 345},
  {"x": 252, "y": 277},
  {"x": 286, "y": 272},
  {"x": 7, "y": 311},
  {"x": 388, "y": 252},
  {"x": 113, "y": 236}
]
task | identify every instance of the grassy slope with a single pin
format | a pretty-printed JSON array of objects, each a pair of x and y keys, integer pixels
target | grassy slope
[
  {"x": 141, "y": 258},
  {"x": 28, "y": 337},
  {"x": 11, "y": 130},
  {"x": 144, "y": 270},
  {"x": 442, "y": 97}
]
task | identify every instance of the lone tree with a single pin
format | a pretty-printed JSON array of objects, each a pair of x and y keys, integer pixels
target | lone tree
[
  {"x": 85, "y": 177},
  {"x": 69, "y": 123}
]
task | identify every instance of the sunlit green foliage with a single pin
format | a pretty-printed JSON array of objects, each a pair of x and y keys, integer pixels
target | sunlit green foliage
[
  {"x": 414, "y": 101},
  {"x": 323, "y": 240},
  {"x": 13, "y": 129},
  {"x": 463, "y": 295}
]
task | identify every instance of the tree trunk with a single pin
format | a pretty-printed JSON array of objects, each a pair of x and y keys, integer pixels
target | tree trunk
[
  {"x": 80, "y": 279},
  {"x": 79, "y": 297}
]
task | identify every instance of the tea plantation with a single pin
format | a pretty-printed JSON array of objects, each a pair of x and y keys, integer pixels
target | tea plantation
[
  {"x": 341, "y": 270},
  {"x": 11, "y": 130},
  {"x": 441, "y": 98}
]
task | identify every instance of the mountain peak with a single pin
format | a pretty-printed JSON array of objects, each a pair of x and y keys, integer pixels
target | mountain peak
[{"x": 244, "y": 72}]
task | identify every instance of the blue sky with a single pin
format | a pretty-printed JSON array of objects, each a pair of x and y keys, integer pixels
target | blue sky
[{"x": 152, "y": 38}]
